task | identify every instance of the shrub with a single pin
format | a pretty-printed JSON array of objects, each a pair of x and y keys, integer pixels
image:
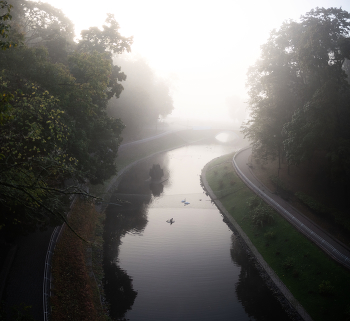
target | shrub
[
  {"x": 262, "y": 215},
  {"x": 270, "y": 235},
  {"x": 312, "y": 203},
  {"x": 288, "y": 263},
  {"x": 279, "y": 183},
  {"x": 342, "y": 218},
  {"x": 253, "y": 202},
  {"x": 325, "y": 288}
]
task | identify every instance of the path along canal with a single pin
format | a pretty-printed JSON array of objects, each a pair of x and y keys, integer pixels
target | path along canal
[{"x": 193, "y": 269}]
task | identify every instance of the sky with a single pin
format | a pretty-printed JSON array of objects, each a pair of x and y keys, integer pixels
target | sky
[{"x": 203, "y": 47}]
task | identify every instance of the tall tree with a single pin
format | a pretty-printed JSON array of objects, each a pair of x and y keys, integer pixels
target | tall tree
[
  {"x": 5, "y": 27},
  {"x": 56, "y": 126},
  {"x": 144, "y": 99},
  {"x": 275, "y": 91},
  {"x": 298, "y": 89}
]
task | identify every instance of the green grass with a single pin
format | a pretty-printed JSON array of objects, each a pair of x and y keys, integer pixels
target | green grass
[{"x": 301, "y": 265}]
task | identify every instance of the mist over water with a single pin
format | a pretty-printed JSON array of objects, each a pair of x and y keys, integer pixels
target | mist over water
[{"x": 193, "y": 269}]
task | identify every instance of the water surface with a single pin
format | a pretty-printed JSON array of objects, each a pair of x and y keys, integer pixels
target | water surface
[{"x": 193, "y": 269}]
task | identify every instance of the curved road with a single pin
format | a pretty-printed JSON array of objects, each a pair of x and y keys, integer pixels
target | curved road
[{"x": 326, "y": 242}]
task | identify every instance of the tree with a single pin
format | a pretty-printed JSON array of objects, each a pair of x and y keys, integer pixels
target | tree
[
  {"x": 298, "y": 90},
  {"x": 34, "y": 160},
  {"x": 275, "y": 91},
  {"x": 144, "y": 99},
  {"x": 108, "y": 39},
  {"x": 54, "y": 126},
  {"x": 5, "y": 26}
]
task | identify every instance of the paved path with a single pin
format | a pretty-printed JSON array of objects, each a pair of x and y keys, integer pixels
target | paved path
[
  {"x": 326, "y": 242},
  {"x": 24, "y": 283}
]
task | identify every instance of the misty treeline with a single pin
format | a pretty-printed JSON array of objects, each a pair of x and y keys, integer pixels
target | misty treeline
[
  {"x": 145, "y": 97},
  {"x": 299, "y": 94},
  {"x": 55, "y": 133}
]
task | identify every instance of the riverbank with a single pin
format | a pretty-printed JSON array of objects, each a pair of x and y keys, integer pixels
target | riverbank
[
  {"x": 90, "y": 255},
  {"x": 319, "y": 284}
]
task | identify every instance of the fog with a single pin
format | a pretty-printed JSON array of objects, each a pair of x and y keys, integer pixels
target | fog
[{"x": 203, "y": 48}]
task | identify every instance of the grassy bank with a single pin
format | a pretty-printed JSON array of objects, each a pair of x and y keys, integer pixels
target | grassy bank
[{"x": 320, "y": 284}]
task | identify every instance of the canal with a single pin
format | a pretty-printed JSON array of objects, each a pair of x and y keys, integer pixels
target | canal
[{"x": 192, "y": 269}]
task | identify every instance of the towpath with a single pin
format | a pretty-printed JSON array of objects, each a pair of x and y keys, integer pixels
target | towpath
[{"x": 325, "y": 241}]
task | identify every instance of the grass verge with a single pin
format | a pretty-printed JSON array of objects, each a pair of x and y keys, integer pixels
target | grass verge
[{"x": 320, "y": 284}]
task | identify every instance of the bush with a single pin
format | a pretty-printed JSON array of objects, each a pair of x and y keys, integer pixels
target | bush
[
  {"x": 312, "y": 203},
  {"x": 325, "y": 288},
  {"x": 270, "y": 235},
  {"x": 280, "y": 185},
  {"x": 342, "y": 218},
  {"x": 288, "y": 263},
  {"x": 253, "y": 202},
  {"x": 262, "y": 215}
]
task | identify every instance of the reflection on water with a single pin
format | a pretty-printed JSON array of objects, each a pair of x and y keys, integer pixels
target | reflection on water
[
  {"x": 156, "y": 188},
  {"x": 254, "y": 294},
  {"x": 190, "y": 270}
]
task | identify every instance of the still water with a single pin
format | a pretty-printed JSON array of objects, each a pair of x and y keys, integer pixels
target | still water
[{"x": 193, "y": 269}]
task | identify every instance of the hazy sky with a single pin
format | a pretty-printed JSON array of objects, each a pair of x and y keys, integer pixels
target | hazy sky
[{"x": 204, "y": 46}]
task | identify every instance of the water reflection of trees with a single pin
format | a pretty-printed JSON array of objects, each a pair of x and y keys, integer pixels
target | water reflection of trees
[
  {"x": 156, "y": 189},
  {"x": 135, "y": 193},
  {"x": 252, "y": 290},
  {"x": 130, "y": 218}
]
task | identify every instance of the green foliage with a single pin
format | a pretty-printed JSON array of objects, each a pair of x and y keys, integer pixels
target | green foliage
[
  {"x": 4, "y": 26},
  {"x": 34, "y": 160},
  {"x": 253, "y": 201},
  {"x": 340, "y": 217},
  {"x": 288, "y": 263},
  {"x": 53, "y": 122},
  {"x": 299, "y": 92},
  {"x": 260, "y": 213},
  {"x": 311, "y": 265},
  {"x": 279, "y": 183},
  {"x": 326, "y": 288},
  {"x": 312, "y": 203},
  {"x": 19, "y": 312},
  {"x": 107, "y": 39}
]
